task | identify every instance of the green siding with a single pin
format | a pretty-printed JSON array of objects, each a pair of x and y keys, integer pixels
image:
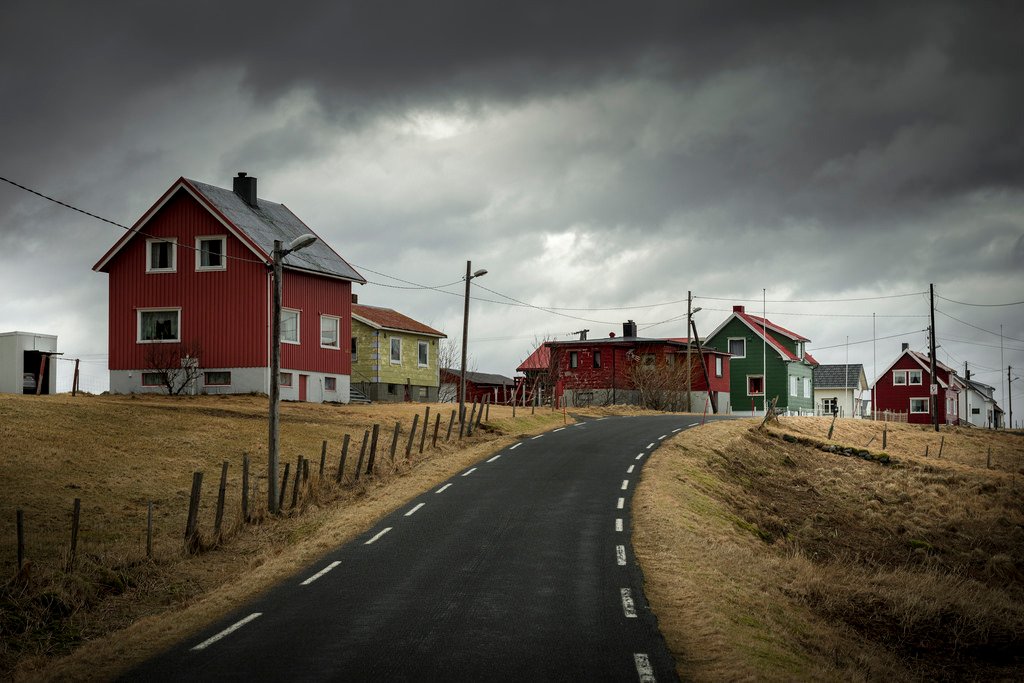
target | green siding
[
  {"x": 372, "y": 361},
  {"x": 779, "y": 370}
]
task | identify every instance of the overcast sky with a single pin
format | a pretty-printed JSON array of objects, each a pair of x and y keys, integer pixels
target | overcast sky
[{"x": 589, "y": 155}]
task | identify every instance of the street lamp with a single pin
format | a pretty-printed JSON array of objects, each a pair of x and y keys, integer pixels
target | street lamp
[
  {"x": 689, "y": 371},
  {"x": 465, "y": 332},
  {"x": 274, "y": 438}
]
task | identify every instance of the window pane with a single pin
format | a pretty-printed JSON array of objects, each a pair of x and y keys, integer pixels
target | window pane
[
  {"x": 422, "y": 347},
  {"x": 396, "y": 350},
  {"x": 718, "y": 366},
  {"x": 211, "y": 255},
  {"x": 286, "y": 379},
  {"x": 738, "y": 347},
  {"x": 597, "y": 359},
  {"x": 217, "y": 378},
  {"x": 290, "y": 326},
  {"x": 159, "y": 325},
  {"x": 330, "y": 384},
  {"x": 152, "y": 379},
  {"x": 329, "y": 332}
]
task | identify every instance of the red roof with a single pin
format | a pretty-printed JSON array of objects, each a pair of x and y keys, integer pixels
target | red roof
[
  {"x": 758, "y": 320},
  {"x": 392, "y": 320},
  {"x": 538, "y": 360}
]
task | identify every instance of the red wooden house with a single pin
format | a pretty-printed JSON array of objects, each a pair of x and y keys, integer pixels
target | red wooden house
[
  {"x": 633, "y": 370},
  {"x": 904, "y": 387},
  {"x": 190, "y": 287},
  {"x": 480, "y": 386}
]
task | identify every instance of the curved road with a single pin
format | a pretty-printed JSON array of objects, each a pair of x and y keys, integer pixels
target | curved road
[{"x": 519, "y": 568}]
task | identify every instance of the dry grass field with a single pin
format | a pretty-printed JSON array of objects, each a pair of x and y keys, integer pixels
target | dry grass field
[
  {"x": 119, "y": 453},
  {"x": 771, "y": 560}
]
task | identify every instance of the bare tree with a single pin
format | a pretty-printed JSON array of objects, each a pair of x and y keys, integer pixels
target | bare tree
[
  {"x": 660, "y": 381},
  {"x": 449, "y": 357},
  {"x": 177, "y": 364}
]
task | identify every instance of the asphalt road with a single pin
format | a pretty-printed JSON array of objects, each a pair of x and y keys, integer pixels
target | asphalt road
[{"x": 519, "y": 568}]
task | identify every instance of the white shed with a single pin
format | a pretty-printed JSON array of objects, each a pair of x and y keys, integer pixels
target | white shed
[{"x": 22, "y": 356}]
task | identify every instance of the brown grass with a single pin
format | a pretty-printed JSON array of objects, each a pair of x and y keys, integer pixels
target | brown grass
[
  {"x": 772, "y": 560},
  {"x": 118, "y": 453}
]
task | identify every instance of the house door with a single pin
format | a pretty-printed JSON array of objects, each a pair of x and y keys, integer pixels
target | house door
[{"x": 303, "y": 380}]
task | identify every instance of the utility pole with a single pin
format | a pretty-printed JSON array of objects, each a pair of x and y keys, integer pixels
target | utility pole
[
  {"x": 465, "y": 331},
  {"x": 933, "y": 390},
  {"x": 274, "y": 438},
  {"x": 689, "y": 372},
  {"x": 1009, "y": 394}
]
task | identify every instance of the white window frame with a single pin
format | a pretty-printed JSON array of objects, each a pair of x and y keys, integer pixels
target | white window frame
[
  {"x": 223, "y": 239},
  {"x": 206, "y": 376},
  {"x": 285, "y": 379},
  {"x": 391, "y": 350},
  {"x": 419, "y": 346},
  {"x": 807, "y": 387},
  {"x": 596, "y": 359},
  {"x": 337, "y": 332},
  {"x": 574, "y": 359},
  {"x": 719, "y": 366},
  {"x": 794, "y": 385},
  {"x": 159, "y": 375},
  {"x": 298, "y": 326},
  {"x": 910, "y": 378},
  {"x": 331, "y": 379},
  {"x": 728, "y": 345},
  {"x": 829, "y": 404},
  {"x": 138, "y": 325},
  {"x": 919, "y": 412},
  {"x": 173, "y": 241},
  {"x": 749, "y": 377},
  {"x": 899, "y": 373}
]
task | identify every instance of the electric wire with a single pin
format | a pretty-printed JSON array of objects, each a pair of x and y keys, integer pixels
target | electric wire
[
  {"x": 964, "y": 322},
  {"x": 965, "y": 303},
  {"x": 865, "y": 341}
]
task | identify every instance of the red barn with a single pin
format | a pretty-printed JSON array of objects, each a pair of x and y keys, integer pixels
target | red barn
[
  {"x": 635, "y": 370},
  {"x": 190, "y": 288},
  {"x": 904, "y": 388}
]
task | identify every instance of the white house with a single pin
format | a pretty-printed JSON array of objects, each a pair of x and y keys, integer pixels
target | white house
[
  {"x": 840, "y": 386},
  {"x": 977, "y": 405},
  {"x": 24, "y": 356}
]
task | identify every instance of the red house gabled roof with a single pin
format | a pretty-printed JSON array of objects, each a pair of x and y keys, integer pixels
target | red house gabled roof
[
  {"x": 922, "y": 360},
  {"x": 256, "y": 227},
  {"x": 388, "y": 319},
  {"x": 538, "y": 360}
]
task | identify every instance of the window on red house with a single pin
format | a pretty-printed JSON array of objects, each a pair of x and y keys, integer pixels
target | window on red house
[
  {"x": 574, "y": 359},
  {"x": 597, "y": 359}
]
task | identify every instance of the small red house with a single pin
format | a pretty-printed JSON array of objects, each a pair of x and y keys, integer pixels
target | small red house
[
  {"x": 633, "y": 370},
  {"x": 480, "y": 386},
  {"x": 190, "y": 288},
  {"x": 904, "y": 388}
]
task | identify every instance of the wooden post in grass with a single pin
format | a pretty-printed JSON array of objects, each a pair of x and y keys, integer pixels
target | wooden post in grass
[
  {"x": 323, "y": 459},
  {"x": 298, "y": 480},
  {"x": 926, "y": 450},
  {"x": 472, "y": 417},
  {"x": 191, "y": 535},
  {"x": 373, "y": 448},
  {"x": 942, "y": 443},
  {"x": 245, "y": 487},
  {"x": 305, "y": 471},
  {"x": 423, "y": 436},
  {"x": 362, "y": 452},
  {"x": 487, "y": 402},
  {"x": 450, "y": 423},
  {"x": 74, "y": 380},
  {"x": 284, "y": 485},
  {"x": 437, "y": 425},
  {"x": 988, "y": 459},
  {"x": 20, "y": 517},
  {"x": 221, "y": 494},
  {"x": 462, "y": 422},
  {"x": 394, "y": 439},
  {"x": 149, "y": 531},
  {"x": 412, "y": 435},
  {"x": 832, "y": 426},
  {"x": 76, "y": 516},
  {"x": 480, "y": 414},
  {"x": 344, "y": 456},
  {"x": 885, "y": 435}
]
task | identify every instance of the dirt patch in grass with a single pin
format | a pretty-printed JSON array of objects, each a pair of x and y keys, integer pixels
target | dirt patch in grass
[
  {"x": 769, "y": 559},
  {"x": 118, "y": 453}
]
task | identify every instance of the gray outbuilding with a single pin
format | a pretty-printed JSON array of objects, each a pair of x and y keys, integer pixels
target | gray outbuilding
[{"x": 27, "y": 363}]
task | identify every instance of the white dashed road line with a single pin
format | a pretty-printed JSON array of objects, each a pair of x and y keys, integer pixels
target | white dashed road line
[
  {"x": 618, "y": 524},
  {"x": 228, "y": 631},
  {"x": 629, "y": 470},
  {"x": 494, "y": 458},
  {"x": 622, "y": 501},
  {"x": 639, "y": 456},
  {"x": 512, "y": 448},
  {"x": 539, "y": 436},
  {"x": 620, "y": 555},
  {"x": 625, "y": 484},
  {"x": 628, "y": 607},
  {"x": 441, "y": 490},
  {"x": 320, "y": 573},
  {"x": 677, "y": 429},
  {"x": 663, "y": 436},
  {"x": 650, "y": 445},
  {"x": 410, "y": 513},
  {"x": 693, "y": 425},
  {"x": 372, "y": 540},
  {"x": 643, "y": 667},
  {"x": 468, "y": 472},
  {"x": 560, "y": 429}
]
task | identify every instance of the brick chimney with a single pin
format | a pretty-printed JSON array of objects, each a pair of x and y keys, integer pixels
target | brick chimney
[
  {"x": 739, "y": 309},
  {"x": 629, "y": 329},
  {"x": 355, "y": 298},
  {"x": 905, "y": 346},
  {"x": 245, "y": 187}
]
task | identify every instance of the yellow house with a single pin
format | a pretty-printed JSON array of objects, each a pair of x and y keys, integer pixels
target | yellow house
[{"x": 394, "y": 358}]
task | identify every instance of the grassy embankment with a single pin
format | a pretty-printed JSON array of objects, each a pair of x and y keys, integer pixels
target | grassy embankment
[
  {"x": 119, "y": 453},
  {"x": 771, "y": 559}
]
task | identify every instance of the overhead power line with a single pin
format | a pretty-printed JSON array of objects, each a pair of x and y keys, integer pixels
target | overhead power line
[
  {"x": 964, "y": 322},
  {"x": 965, "y": 303},
  {"x": 809, "y": 301},
  {"x": 866, "y": 341}
]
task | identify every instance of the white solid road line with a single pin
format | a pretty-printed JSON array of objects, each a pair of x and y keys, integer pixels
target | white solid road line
[
  {"x": 643, "y": 667},
  {"x": 512, "y": 448},
  {"x": 693, "y": 425},
  {"x": 320, "y": 573},
  {"x": 410, "y": 513},
  {"x": 386, "y": 529},
  {"x": 441, "y": 490},
  {"x": 539, "y": 436},
  {"x": 625, "y": 484},
  {"x": 618, "y": 524},
  {"x": 629, "y": 470},
  {"x": 628, "y": 608},
  {"x": 495, "y": 458},
  {"x": 228, "y": 631},
  {"x": 620, "y": 555},
  {"x": 650, "y": 445},
  {"x": 468, "y": 472},
  {"x": 559, "y": 429},
  {"x": 622, "y": 501}
]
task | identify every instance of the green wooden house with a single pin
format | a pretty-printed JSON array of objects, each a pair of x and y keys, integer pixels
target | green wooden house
[
  {"x": 394, "y": 358},
  {"x": 786, "y": 371}
]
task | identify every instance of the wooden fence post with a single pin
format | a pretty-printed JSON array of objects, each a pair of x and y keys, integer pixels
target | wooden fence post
[
  {"x": 373, "y": 448},
  {"x": 885, "y": 434},
  {"x": 942, "y": 444},
  {"x": 362, "y": 452},
  {"x": 191, "y": 536},
  {"x": 284, "y": 486},
  {"x": 323, "y": 459},
  {"x": 149, "y": 531},
  {"x": 423, "y": 436},
  {"x": 245, "y": 487},
  {"x": 988, "y": 459},
  {"x": 437, "y": 425},
  {"x": 305, "y": 471},
  {"x": 76, "y": 516},
  {"x": 472, "y": 417},
  {"x": 926, "y": 450},
  {"x": 450, "y": 423},
  {"x": 298, "y": 481},
  {"x": 488, "y": 404},
  {"x": 74, "y": 381},
  {"x": 221, "y": 494},
  {"x": 20, "y": 517},
  {"x": 412, "y": 435},
  {"x": 344, "y": 456},
  {"x": 479, "y": 416},
  {"x": 394, "y": 439},
  {"x": 832, "y": 426}
]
